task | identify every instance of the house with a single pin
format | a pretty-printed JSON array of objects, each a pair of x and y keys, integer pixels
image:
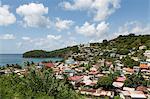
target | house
[
  {"x": 128, "y": 71},
  {"x": 97, "y": 92},
  {"x": 125, "y": 95},
  {"x": 112, "y": 54},
  {"x": 80, "y": 69},
  {"x": 75, "y": 79},
  {"x": 108, "y": 63},
  {"x": 88, "y": 81},
  {"x": 87, "y": 91},
  {"x": 118, "y": 84},
  {"x": 48, "y": 65},
  {"x": 121, "y": 79},
  {"x": 70, "y": 61},
  {"x": 137, "y": 95},
  {"x": 148, "y": 60},
  {"x": 136, "y": 69},
  {"x": 93, "y": 69},
  {"x": 128, "y": 89},
  {"x": 69, "y": 72},
  {"x": 130, "y": 94},
  {"x": 141, "y": 88},
  {"x": 135, "y": 58},
  {"x": 144, "y": 65},
  {"x": 118, "y": 67},
  {"x": 93, "y": 72},
  {"x": 142, "y": 47},
  {"x": 147, "y": 53},
  {"x": 99, "y": 75},
  {"x": 122, "y": 56}
]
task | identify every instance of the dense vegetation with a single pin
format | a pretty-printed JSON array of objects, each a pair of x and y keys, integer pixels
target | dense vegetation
[
  {"x": 136, "y": 80},
  {"x": 128, "y": 62},
  {"x": 56, "y": 53},
  {"x": 130, "y": 41},
  {"x": 107, "y": 81},
  {"x": 35, "y": 84},
  {"x": 123, "y": 44}
]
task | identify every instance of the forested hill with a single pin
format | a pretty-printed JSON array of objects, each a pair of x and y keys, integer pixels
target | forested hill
[
  {"x": 56, "y": 53},
  {"x": 122, "y": 42},
  {"x": 125, "y": 42}
]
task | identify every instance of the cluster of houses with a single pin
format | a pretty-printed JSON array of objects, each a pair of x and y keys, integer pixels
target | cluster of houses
[{"x": 84, "y": 79}]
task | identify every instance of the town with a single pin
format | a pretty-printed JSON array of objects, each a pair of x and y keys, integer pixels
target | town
[{"x": 111, "y": 74}]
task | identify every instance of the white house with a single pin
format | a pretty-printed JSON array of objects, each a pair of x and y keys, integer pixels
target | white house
[
  {"x": 147, "y": 53},
  {"x": 142, "y": 47}
]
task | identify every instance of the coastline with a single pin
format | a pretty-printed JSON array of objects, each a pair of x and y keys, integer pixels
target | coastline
[{"x": 19, "y": 59}]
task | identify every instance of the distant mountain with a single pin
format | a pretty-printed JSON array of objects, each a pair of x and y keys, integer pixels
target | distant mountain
[{"x": 122, "y": 43}]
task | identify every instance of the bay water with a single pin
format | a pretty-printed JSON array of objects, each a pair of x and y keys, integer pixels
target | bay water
[{"x": 18, "y": 59}]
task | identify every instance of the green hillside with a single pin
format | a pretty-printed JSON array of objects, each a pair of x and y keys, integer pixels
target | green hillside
[
  {"x": 122, "y": 43},
  {"x": 56, "y": 53}
]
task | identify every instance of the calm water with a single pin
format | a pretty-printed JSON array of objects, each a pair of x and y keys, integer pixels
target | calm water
[{"x": 17, "y": 58}]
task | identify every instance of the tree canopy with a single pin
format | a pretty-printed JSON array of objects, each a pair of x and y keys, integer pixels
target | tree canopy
[{"x": 35, "y": 84}]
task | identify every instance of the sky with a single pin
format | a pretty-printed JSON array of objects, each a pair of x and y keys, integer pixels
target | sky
[{"x": 52, "y": 24}]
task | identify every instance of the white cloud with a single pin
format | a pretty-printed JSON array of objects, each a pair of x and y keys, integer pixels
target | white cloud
[
  {"x": 6, "y": 17},
  {"x": 7, "y": 37},
  {"x": 53, "y": 37},
  {"x": 101, "y": 8},
  {"x": 78, "y": 4},
  {"x": 133, "y": 27},
  {"x": 48, "y": 42},
  {"x": 26, "y": 38},
  {"x": 92, "y": 30},
  {"x": 63, "y": 24},
  {"x": 42, "y": 42},
  {"x": 33, "y": 15},
  {"x": 87, "y": 29}
]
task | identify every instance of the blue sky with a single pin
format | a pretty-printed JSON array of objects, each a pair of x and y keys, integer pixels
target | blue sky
[{"x": 52, "y": 24}]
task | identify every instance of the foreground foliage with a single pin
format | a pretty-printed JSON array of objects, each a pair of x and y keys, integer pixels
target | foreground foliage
[{"x": 36, "y": 84}]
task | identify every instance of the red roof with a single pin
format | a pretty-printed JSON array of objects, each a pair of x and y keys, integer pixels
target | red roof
[
  {"x": 93, "y": 73},
  {"x": 75, "y": 78},
  {"x": 144, "y": 66},
  {"x": 120, "y": 79},
  {"x": 89, "y": 90},
  {"x": 129, "y": 70},
  {"x": 141, "y": 88},
  {"x": 49, "y": 65}
]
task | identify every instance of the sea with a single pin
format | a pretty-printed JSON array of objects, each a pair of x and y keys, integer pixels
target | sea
[{"x": 18, "y": 59}]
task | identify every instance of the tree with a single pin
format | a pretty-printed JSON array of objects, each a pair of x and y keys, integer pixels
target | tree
[
  {"x": 123, "y": 51},
  {"x": 88, "y": 66},
  {"x": 105, "y": 82},
  {"x": 18, "y": 66},
  {"x": 32, "y": 63},
  {"x": 135, "y": 80},
  {"x": 128, "y": 62},
  {"x": 28, "y": 63},
  {"x": 114, "y": 75},
  {"x": 105, "y": 43}
]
